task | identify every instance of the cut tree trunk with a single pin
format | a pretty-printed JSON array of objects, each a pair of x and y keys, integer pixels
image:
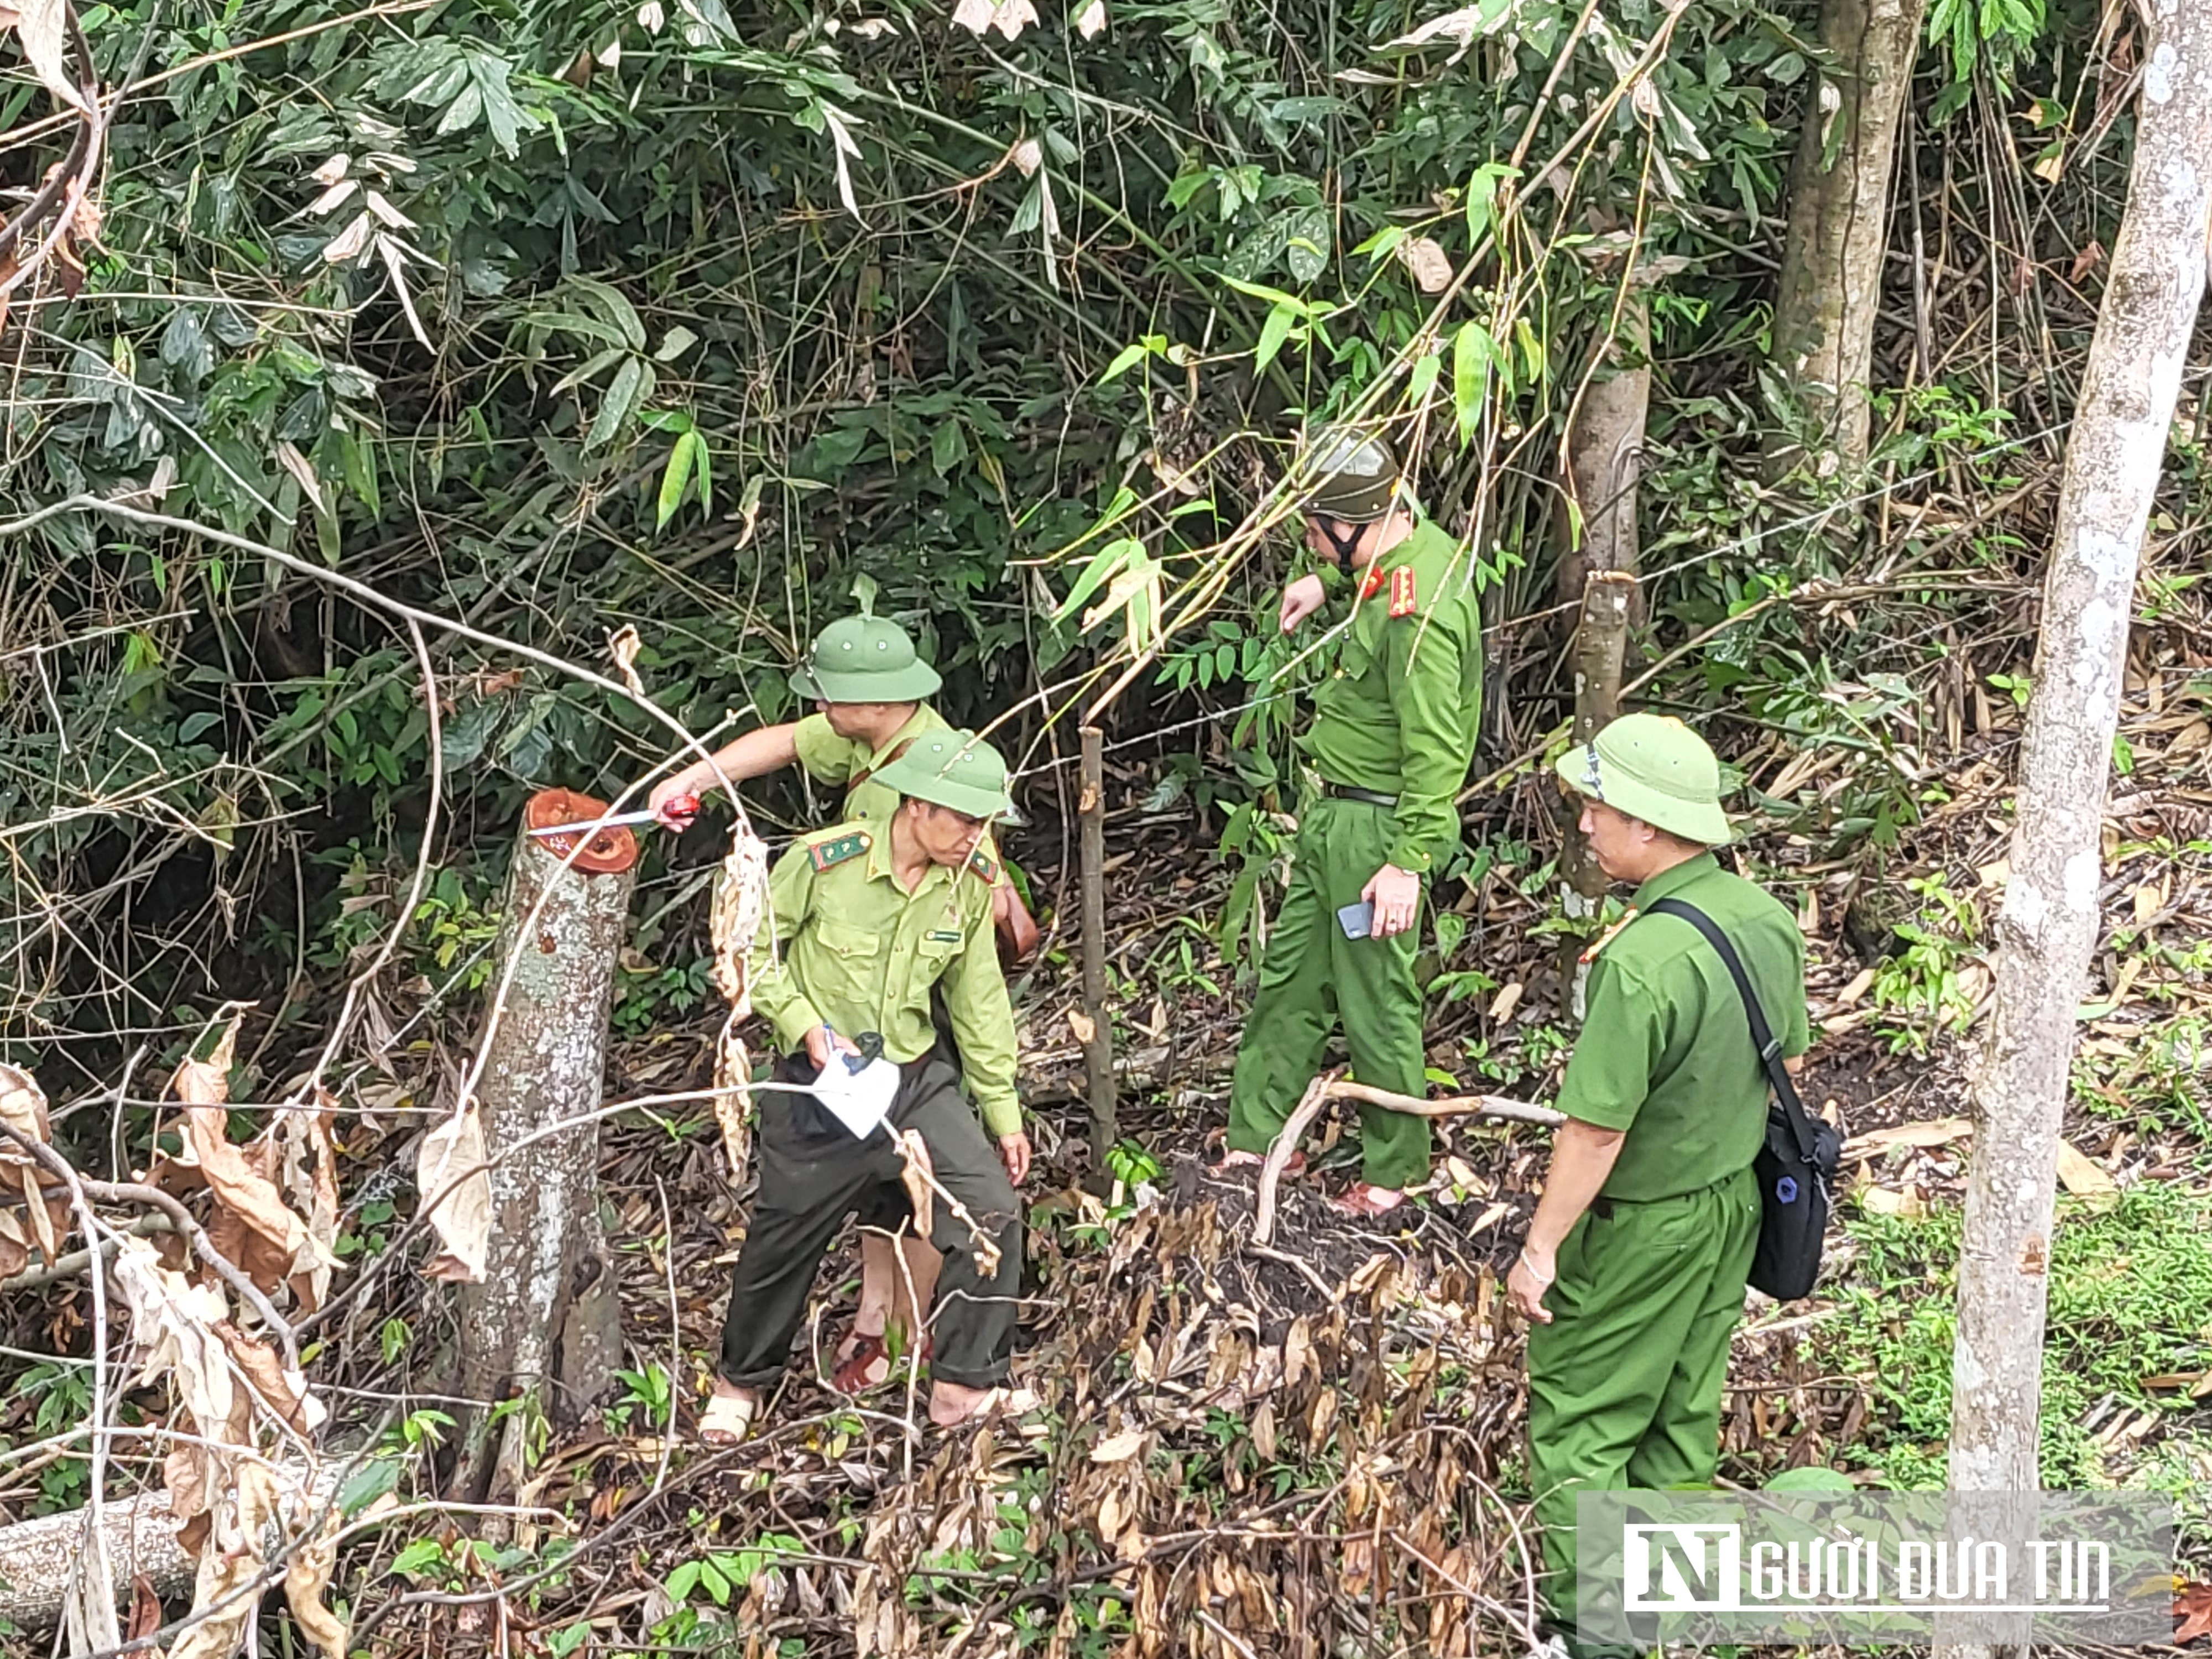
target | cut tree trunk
[
  {"x": 543, "y": 1322},
  {"x": 2049, "y": 925},
  {"x": 1832, "y": 260},
  {"x": 1605, "y": 453},
  {"x": 1600, "y": 645}
]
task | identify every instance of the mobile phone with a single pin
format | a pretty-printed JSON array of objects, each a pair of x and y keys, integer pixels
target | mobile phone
[{"x": 1358, "y": 921}]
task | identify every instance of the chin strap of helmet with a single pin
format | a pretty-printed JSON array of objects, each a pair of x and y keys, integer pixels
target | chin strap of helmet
[{"x": 1343, "y": 546}]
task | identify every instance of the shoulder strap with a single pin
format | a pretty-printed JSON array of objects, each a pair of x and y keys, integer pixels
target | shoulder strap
[
  {"x": 875, "y": 766},
  {"x": 1762, "y": 1036}
]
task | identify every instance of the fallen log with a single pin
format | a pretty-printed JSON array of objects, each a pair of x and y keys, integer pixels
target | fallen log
[
  {"x": 1329, "y": 1086},
  {"x": 39, "y": 1557}
]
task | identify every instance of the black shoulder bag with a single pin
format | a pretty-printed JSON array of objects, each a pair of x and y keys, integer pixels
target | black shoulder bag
[{"x": 1796, "y": 1168}]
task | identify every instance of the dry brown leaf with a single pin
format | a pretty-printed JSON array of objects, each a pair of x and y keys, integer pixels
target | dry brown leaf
[
  {"x": 1424, "y": 259},
  {"x": 2197, "y": 735},
  {"x": 1907, "y": 1205},
  {"x": 307, "y": 1578},
  {"x": 252, "y": 1227},
  {"x": 2086, "y": 261},
  {"x": 230, "y": 1563},
  {"x": 1083, "y": 1025},
  {"x": 1939, "y": 1132},
  {"x": 453, "y": 1152},
  {"x": 2084, "y": 1178},
  {"x": 44, "y": 1220},
  {"x": 914, "y": 1170},
  {"x": 282, "y": 1394},
  {"x": 1503, "y": 1004},
  {"x": 2192, "y": 1611},
  {"x": 623, "y": 645},
  {"x": 145, "y": 1610},
  {"x": 1119, "y": 1448},
  {"x": 41, "y": 25}
]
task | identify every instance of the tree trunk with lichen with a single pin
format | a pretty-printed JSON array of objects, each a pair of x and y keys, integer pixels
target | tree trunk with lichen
[
  {"x": 543, "y": 1325},
  {"x": 2048, "y": 930},
  {"x": 1605, "y": 454},
  {"x": 1832, "y": 260}
]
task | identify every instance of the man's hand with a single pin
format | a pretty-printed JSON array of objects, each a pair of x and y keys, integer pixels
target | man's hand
[
  {"x": 1014, "y": 1154},
  {"x": 1525, "y": 1289},
  {"x": 1300, "y": 600},
  {"x": 674, "y": 801},
  {"x": 1396, "y": 896},
  {"x": 822, "y": 1043}
]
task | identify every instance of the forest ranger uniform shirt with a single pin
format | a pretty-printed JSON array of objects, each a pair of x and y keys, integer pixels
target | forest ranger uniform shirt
[
  {"x": 1666, "y": 1051},
  {"x": 859, "y": 953},
  {"x": 1399, "y": 715},
  {"x": 834, "y": 760}
]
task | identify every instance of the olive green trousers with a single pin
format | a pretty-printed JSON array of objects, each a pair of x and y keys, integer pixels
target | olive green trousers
[
  {"x": 1624, "y": 1384},
  {"x": 1311, "y": 977}
]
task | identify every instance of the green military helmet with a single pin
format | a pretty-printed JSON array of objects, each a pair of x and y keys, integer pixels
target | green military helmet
[
  {"x": 1653, "y": 768},
  {"x": 1355, "y": 475},
  {"x": 864, "y": 659},
  {"x": 956, "y": 770}
]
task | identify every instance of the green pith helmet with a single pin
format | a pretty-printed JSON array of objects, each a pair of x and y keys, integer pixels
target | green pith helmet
[
  {"x": 1653, "y": 768},
  {"x": 956, "y": 770},
  {"x": 864, "y": 659},
  {"x": 1354, "y": 472}
]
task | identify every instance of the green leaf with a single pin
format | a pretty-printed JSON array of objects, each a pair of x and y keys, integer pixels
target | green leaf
[
  {"x": 703, "y": 458},
  {"x": 1812, "y": 1478},
  {"x": 1103, "y": 563},
  {"x": 624, "y": 394},
  {"x": 1297, "y": 236},
  {"x": 192, "y": 725},
  {"x": 610, "y": 304},
  {"x": 1423, "y": 377},
  {"x": 1125, "y": 360},
  {"x": 370, "y": 1482},
  {"x": 1272, "y": 333},
  {"x": 674, "y": 477},
  {"x": 421, "y": 1554},
  {"x": 1472, "y": 350},
  {"x": 948, "y": 448},
  {"x": 683, "y": 1580}
]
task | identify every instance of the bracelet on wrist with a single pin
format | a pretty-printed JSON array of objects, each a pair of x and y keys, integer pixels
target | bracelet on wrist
[{"x": 1534, "y": 1272}]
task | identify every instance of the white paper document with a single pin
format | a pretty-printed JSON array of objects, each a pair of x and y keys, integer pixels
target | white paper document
[{"x": 860, "y": 1100}]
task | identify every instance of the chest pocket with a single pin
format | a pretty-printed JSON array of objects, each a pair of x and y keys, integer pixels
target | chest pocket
[
  {"x": 857, "y": 945},
  {"x": 934, "y": 951}
]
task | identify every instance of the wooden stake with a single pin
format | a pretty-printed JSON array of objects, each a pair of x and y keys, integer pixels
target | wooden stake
[
  {"x": 1098, "y": 1048},
  {"x": 1600, "y": 641}
]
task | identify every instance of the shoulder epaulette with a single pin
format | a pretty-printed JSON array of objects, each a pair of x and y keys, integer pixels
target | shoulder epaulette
[
  {"x": 984, "y": 865},
  {"x": 837, "y": 849},
  {"x": 1405, "y": 591}
]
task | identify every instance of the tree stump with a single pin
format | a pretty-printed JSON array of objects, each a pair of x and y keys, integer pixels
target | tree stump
[{"x": 543, "y": 1325}]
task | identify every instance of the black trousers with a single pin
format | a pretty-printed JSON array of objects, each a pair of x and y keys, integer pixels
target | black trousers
[{"x": 813, "y": 1174}]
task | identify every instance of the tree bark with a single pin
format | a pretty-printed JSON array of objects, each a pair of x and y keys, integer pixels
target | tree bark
[
  {"x": 1832, "y": 260},
  {"x": 1605, "y": 453},
  {"x": 1600, "y": 645},
  {"x": 2048, "y": 929},
  {"x": 544, "y": 1323}
]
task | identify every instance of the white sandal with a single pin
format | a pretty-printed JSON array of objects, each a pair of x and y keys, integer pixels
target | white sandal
[{"x": 727, "y": 1421}]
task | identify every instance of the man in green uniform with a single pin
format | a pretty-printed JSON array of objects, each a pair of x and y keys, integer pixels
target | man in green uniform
[
  {"x": 1636, "y": 1256},
  {"x": 1393, "y": 734},
  {"x": 869, "y": 687},
  {"x": 868, "y": 918}
]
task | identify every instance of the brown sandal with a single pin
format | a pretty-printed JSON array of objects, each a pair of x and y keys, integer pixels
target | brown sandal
[{"x": 852, "y": 1377}]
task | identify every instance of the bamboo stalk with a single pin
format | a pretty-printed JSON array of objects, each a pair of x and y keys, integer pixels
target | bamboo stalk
[{"x": 1099, "y": 1046}]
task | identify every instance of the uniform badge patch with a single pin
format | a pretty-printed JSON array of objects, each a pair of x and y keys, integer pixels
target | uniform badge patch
[
  {"x": 984, "y": 865},
  {"x": 945, "y": 936},
  {"x": 1403, "y": 594},
  {"x": 826, "y": 855}
]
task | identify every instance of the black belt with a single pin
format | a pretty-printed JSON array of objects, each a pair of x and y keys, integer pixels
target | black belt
[{"x": 1370, "y": 797}]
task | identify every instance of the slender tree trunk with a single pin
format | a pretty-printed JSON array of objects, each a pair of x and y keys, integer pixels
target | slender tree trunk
[
  {"x": 1601, "y": 644},
  {"x": 1605, "y": 453},
  {"x": 1098, "y": 1046},
  {"x": 2048, "y": 929},
  {"x": 1832, "y": 262},
  {"x": 543, "y": 1325}
]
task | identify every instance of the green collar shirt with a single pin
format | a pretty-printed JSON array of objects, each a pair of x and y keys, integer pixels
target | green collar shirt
[
  {"x": 834, "y": 760},
  {"x": 851, "y": 949},
  {"x": 1398, "y": 715},
  {"x": 1666, "y": 1052}
]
